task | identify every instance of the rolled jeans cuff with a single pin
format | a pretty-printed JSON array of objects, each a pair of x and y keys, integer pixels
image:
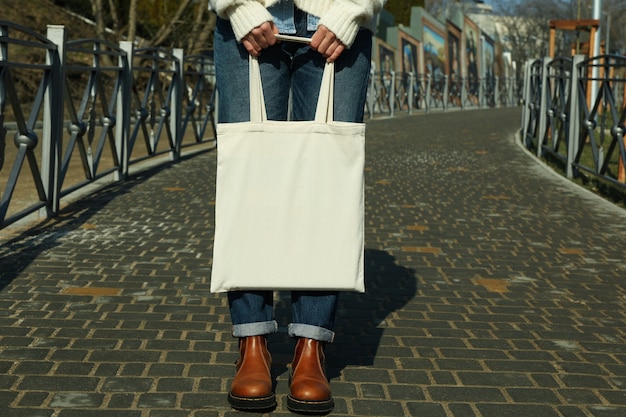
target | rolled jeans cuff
[
  {"x": 311, "y": 332},
  {"x": 255, "y": 329}
]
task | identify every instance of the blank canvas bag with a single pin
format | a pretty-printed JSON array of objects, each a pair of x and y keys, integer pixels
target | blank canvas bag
[{"x": 289, "y": 209}]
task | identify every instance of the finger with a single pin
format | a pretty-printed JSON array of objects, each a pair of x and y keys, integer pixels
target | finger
[
  {"x": 257, "y": 37},
  {"x": 332, "y": 56},
  {"x": 252, "y": 48},
  {"x": 317, "y": 39},
  {"x": 265, "y": 34},
  {"x": 322, "y": 38}
]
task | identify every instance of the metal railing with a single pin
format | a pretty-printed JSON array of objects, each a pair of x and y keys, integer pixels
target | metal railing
[
  {"x": 26, "y": 138},
  {"x": 575, "y": 111},
  {"x": 98, "y": 109},
  {"x": 392, "y": 92}
]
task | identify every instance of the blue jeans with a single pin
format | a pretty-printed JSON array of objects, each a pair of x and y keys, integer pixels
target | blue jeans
[{"x": 288, "y": 70}]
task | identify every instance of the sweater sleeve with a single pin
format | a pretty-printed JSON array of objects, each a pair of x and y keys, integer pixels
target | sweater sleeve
[
  {"x": 345, "y": 17},
  {"x": 244, "y": 15}
]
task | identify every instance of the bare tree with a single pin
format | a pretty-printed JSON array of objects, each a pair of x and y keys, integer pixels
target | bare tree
[
  {"x": 528, "y": 20},
  {"x": 97, "y": 8},
  {"x": 132, "y": 20},
  {"x": 115, "y": 17},
  {"x": 525, "y": 37},
  {"x": 166, "y": 30},
  {"x": 201, "y": 37},
  {"x": 615, "y": 17}
]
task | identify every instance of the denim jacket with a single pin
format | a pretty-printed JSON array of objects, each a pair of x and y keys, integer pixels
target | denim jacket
[{"x": 284, "y": 20}]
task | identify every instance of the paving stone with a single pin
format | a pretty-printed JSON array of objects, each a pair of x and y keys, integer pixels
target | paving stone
[
  {"x": 121, "y": 401},
  {"x": 512, "y": 410},
  {"x": 127, "y": 384},
  {"x": 443, "y": 377},
  {"x": 211, "y": 385},
  {"x": 545, "y": 380},
  {"x": 532, "y": 395},
  {"x": 411, "y": 377},
  {"x": 584, "y": 381},
  {"x": 404, "y": 392},
  {"x": 521, "y": 366},
  {"x": 374, "y": 391},
  {"x": 601, "y": 411},
  {"x": 202, "y": 413},
  {"x": 168, "y": 413},
  {"x": 30, "y": 412},
  {"x": 58, "y": 383},
  {"x": 175, "y": 385},
  {"x": 579, "y": 396},
  {"x": 7, "y": 398},
  {"x": 572, "y": 412},
  {"x": 157, "y": 400},
  {"x": 417, "y": 409},
  {"x": 76, "y": 400},
  {"x": 107, "y": 369},
  {"x": 98, "y": 413},
  {"x": 465, "y": 394},
  {"x": 494, "y": 379},
  {"x": 377, "y": 408},
  {"x": 33, "y": 399},
  {"x": 133, "y": 368},
  {"x": 204, "y": 400},
  {"x": 74, "y": 368},
  {"x": 33, "y": 368},
  {"x": 24, "y": 354},
  {"x": 459, "y": 364},
  {"x": 614, "y": 397}
]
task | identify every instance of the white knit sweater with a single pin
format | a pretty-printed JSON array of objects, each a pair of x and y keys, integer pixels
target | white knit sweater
[{"x": 342, "y": 17}]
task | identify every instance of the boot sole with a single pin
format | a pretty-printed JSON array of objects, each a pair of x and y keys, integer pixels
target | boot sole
[
  {"x": 310, "y": 407},
  {"x": 252, "y": 403}
]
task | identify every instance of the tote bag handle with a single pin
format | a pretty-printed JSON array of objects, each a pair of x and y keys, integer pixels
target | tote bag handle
[{"x": 324, "y": 110}]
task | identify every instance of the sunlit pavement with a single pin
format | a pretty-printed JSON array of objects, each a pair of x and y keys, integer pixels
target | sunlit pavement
[{"x": 495, "y": 288}]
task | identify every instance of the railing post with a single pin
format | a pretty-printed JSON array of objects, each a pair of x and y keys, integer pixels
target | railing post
[
  {"x": 411, "y": 92},
  {"x": 464, "y": 82},
  {"x": 446, "y": 97},
  {"x": 124, "y": 110},
  {"x": 574, "y": 122},
  {"x": 496, "y": 93},
  {"x": 543, "y": 110},
  {"x": 52, "y": 137},
  {"x": 428, "y": 91},
  {"x": 526, "y": 99},
  {"x": 124, "y": 99},
  {"x": 481, "y": 92},
  {"x": 392, "y": 94},
  {"x": 177, "y": 101}
]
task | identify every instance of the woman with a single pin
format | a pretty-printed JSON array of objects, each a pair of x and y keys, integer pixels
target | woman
[{"x": 340, "y": 32}]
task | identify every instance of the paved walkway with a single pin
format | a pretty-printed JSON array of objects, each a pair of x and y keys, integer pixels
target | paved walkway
[{"x": 495, "y": 289}]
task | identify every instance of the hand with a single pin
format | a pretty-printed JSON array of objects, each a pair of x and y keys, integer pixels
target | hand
[
  {"x": 326, "y": 43},
  {"x": 259, "y": 38}
]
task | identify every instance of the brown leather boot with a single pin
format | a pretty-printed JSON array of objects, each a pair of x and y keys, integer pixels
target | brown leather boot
[
  {"x": 309, "y": 387},
  {"x": 252, "y": 387}
]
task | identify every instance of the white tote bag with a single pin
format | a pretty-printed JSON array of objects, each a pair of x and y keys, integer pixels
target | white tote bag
[{"x": 289, "y": 211}]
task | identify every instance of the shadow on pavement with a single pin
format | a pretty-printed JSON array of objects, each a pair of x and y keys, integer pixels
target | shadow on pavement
[
  {"x": 389, "y": 287},
  {"x": 358, "y": 324},
  {"x": 18, "y": 252}
]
